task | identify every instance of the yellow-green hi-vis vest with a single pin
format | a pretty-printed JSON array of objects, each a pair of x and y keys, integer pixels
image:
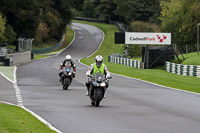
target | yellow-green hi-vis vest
[{"x": 96, "y": 69}]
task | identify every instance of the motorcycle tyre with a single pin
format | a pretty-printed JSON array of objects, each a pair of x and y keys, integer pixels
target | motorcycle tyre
[
  {"x": 92, "y": 103},
  {"x": 97, "y": 103},
  {"x": 99, "y": 98},
  {"x": 66, "y": 83}
]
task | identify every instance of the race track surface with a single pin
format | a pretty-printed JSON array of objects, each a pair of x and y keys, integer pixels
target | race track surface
[{"x": 131, "y": 106}]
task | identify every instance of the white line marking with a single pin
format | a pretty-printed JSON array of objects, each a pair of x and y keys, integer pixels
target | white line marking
[
  {"x": 42, "y": 120},
  {"x": 6, "y": 77}
]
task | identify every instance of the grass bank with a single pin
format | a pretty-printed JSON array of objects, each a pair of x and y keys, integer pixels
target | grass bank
[
  {"x": 69, "y": 38},
  {"x": 157, "y": 76},
  {"x": 16, "y": 120}
]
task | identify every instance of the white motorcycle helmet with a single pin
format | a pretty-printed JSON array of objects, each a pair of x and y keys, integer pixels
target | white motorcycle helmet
[
  {"x": 68, "y": 58},
  {"x": 99, "y": 60}
]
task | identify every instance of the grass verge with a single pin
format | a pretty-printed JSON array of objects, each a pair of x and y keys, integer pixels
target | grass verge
[
  {"x": 157, "y": 76},
  {"x": 16, "y": 120}
]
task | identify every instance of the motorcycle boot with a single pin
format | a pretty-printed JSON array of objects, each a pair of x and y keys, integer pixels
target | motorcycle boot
[
  {"x": 60, "y": 76},
  {"x": 87, "y": 85}
]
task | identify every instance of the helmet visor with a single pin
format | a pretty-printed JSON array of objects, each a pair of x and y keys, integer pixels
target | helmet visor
[{"x": 99, "y": 62}]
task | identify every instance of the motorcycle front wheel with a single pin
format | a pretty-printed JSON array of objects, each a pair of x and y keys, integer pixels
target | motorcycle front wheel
[{"x": 66, "y": 83}]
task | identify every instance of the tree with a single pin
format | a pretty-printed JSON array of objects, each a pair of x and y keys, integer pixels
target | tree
[
  {"x": 137, "y": 10},
  {"x": 22, "y": 15},
  {"x": 2, "y": 25},
  {"x": 180, "y": 17},
  {"x": 27, "y": 16},
  {"x": 89, "y": 9},
  {"x": 106, "y": 8},
  {"x": 10, "y": 35}
]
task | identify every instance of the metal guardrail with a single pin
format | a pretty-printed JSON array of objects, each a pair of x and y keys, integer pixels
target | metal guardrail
[
  {"x": 124, "y": 61},
  {"x": 186, "y": 70}
]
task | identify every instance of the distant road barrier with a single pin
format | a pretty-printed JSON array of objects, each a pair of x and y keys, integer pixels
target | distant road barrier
[
  {"x": 186, "y": 70},
  {"x": 124, "y": 61},
  {"x": 118, "y": 24},
  {"x": 49, "y": 49}
]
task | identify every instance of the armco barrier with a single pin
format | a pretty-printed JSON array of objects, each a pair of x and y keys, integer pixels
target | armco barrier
[
  {"x": 124, "y": 61},
  {"x": 186, "y": 70}
]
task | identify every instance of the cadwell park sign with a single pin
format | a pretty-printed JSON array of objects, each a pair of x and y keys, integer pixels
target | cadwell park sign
[
  {"x": 151, "y": 56},
  {"x": 147, "y": 38}
]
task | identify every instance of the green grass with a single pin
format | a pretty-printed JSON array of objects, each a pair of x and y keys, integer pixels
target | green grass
[
  {"x": 191, "y": 59},
  {"x": 7, "y": 71},
  {"x": 69, "y": 36},
  {"x": 16, "y": 120},
  {"x": 157, "y": 76},
  {"x": 39, "y": 56}
]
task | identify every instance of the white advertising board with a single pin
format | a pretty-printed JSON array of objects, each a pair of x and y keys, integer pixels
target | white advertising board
[{"x": 147, "y": 38}]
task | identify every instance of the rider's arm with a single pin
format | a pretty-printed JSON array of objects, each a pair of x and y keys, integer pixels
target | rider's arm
[
  {"x": 62, "y": 64},
  {"x": 73, "y": 65},
  {"x": 90, "y": 69},
  {"x": 107, "y": 72}
]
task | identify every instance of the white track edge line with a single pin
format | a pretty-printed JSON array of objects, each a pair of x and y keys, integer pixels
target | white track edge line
[{"x": 35, "y": 115}]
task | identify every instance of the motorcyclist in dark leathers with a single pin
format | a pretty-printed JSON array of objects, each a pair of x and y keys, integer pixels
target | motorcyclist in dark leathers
[{"x": 68, "y": 58}]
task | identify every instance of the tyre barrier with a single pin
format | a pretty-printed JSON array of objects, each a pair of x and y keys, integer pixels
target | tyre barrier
[
  {"x": 185, "y": 70},
  {"x": 124, "y": 61}
]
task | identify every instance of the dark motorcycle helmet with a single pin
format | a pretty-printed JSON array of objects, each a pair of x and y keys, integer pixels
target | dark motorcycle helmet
[{"x": 99, "y": 60}]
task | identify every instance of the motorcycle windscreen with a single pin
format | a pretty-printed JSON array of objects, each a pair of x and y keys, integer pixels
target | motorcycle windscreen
[{"x": 98, "y": 77}]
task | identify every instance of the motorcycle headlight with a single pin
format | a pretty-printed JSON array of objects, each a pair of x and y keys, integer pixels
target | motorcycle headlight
[
  {"x": 70, "y": 73},
  {"x": 103, "y": 84},
  {"x": 94, "y": 83}
]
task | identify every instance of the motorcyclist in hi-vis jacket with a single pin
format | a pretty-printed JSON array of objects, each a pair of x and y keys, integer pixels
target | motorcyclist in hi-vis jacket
[{"x": 96, "y": 67}]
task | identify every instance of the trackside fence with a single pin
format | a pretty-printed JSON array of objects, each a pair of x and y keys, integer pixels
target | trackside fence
[
  {"x": 186, "y": 70},
  {"x": 124, "y": 61}
]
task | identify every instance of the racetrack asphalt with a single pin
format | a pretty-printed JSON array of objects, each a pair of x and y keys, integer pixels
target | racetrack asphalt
[{"x": 131, "y": 106}]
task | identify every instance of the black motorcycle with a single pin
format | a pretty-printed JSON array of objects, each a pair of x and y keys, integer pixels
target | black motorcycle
[
  {"x": 98, "y": 85},
  {"x": 67, "y": 76}
]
